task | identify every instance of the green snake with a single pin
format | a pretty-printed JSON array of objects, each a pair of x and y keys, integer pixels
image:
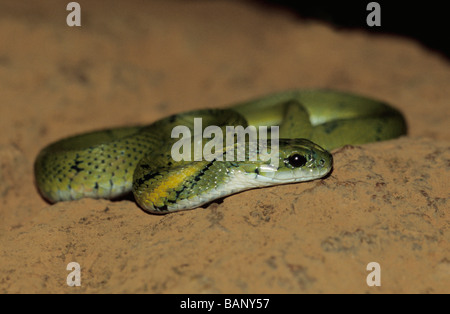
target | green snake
[{"x": 111, "y": 163}]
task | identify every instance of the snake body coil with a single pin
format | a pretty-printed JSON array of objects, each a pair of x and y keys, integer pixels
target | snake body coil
[{"x": 111, "y": 163}]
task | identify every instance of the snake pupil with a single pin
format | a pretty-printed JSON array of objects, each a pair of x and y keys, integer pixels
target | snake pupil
[{"x": 297, "y": 160}]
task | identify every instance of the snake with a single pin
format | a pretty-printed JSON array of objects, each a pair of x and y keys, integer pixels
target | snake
[{"x": 112, "y": 163}]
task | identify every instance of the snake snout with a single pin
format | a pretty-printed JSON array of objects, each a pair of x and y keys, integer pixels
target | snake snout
[{"x": 322, "y": 160}]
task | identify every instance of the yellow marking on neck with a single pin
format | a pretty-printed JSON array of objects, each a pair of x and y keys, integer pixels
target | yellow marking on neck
[{"x": 158, "y": 194}]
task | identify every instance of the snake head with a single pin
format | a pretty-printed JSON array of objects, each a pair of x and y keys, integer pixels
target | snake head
[{"x": 298, "y": 160}]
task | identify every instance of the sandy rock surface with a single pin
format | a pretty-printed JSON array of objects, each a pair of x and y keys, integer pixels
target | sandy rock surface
[{"x": 135, "y": 62}]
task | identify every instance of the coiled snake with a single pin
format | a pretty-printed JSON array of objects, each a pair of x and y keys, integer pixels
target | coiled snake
[{"x": 111, "y": 163}]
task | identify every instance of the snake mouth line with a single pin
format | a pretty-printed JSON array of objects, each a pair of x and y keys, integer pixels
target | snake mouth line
[{"x": 291, "y": 178}]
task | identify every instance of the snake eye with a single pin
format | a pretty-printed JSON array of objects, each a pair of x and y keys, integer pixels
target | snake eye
[{"x": 297, "y": 160}]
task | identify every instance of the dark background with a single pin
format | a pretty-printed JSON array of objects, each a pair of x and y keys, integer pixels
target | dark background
[{"x": 427, "y": 22}]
